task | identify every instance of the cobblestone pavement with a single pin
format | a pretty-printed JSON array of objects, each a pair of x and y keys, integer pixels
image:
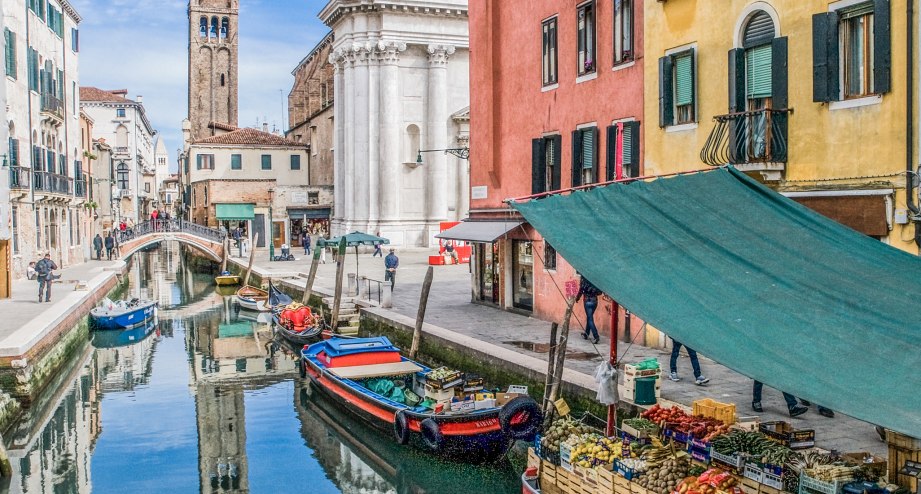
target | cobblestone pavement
[{"x": 449, "y": 307}]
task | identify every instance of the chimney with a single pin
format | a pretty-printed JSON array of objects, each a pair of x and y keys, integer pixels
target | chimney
[
  {"x": 265, "y": 127},
  {"x": 139, "y": 99}
]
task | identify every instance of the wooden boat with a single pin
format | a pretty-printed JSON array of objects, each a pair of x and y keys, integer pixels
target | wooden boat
[
  {"x": 122, "y": 314},
  {"x": 126, "y": 337},
  {"x": 227, "y": 279},
  {"x": 252, "y": 298},
  {"x": 344, "y": 368},
  {"x": 298, "y": 324}
]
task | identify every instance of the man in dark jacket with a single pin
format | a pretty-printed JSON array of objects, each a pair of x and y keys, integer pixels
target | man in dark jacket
[
  {"x": 44, "y": 270},
  {"x": 97, "y": 246},
  {"x": 391, "y": 263},
  {"x": 110, "y": 244}
]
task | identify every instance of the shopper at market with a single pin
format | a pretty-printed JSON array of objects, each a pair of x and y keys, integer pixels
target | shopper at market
[
  {"x": 590, "y": 293},
  {"x": 795, "y": 408},
  {"x": 699, "y": 378},
  {"x": 825, "y": 412}
]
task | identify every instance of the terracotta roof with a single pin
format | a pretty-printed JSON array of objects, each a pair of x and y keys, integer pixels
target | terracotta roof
[
  {"x": 222, "y": 126},
  {"x": 90, "y": 93},
  {"x": 249, "y": 137}
]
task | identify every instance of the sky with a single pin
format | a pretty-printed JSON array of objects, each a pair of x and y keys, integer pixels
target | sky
[{"x": 142, "y": 45}]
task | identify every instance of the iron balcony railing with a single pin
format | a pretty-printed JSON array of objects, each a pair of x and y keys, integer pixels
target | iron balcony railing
[
  {"x": 51, "y": 104},
  {"x": 173, "y": 225},
  {"x": 749, "y": 137},
  {"x": 20, "y": 177},
  {"x": 52, "y": 182}
]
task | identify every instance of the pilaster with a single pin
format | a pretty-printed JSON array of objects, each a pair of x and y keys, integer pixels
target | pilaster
[
  {"x": 437, "y": 134},
  {"x": 391, "y": 117}
]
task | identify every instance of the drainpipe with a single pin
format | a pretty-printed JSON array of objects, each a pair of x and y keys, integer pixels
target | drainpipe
[{"x": 909, "y": 117}]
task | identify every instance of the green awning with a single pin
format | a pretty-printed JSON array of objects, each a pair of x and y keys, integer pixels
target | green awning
[
  {"x": 757, "y": 282},
  {"x": 234, "y": 211},
  {"x": 234, "y": 329}
]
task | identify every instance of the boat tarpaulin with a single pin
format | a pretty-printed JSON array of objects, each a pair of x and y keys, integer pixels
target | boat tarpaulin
[
  {"x": 479, "y": 231},
  {"x": 759, "y": 283}
]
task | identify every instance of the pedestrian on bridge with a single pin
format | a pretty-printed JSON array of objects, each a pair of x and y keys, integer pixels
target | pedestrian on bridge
[
  {"x": 44, "y": 270},
  {"x": 110, "y": 244},
  {"x": 97, "y": 246}
]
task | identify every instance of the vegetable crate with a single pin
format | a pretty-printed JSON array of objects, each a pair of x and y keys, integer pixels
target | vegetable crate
[
  {"x": 675, "y": 435},
  {"x": 631, "y": 372},
  {"x": 634, "y": 434},
  {"x": 623, "y": 470},
  {"x": 753, "y": 471},
  {"x": 809, "y": 485},
  {"x": 724, "y": 412},
  {"x": 785, "y": 434},
  {"x": 699, "y": 450},
  {"x": 772, "y": 480},
  {"x": 734, "y": 461},
  {"x": 443, "y": 378}
]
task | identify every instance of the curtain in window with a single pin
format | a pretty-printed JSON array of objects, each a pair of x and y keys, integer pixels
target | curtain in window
[{"x": 758, "y": 72}]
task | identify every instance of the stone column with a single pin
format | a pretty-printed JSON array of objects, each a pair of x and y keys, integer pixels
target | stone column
[
  {"x": 463, "y": 181},
  {"x": 359, "y": 142},
  {"x": 348, "y": 144},
  {"x": 390, "y": 129},
  {"x": 436, "y": 186}
]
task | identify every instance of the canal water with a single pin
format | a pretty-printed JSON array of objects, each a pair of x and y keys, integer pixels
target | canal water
[{"x": 203, "y": 400}]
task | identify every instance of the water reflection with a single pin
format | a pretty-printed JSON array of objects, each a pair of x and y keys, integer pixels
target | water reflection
[{"x": 202, "y": 400}]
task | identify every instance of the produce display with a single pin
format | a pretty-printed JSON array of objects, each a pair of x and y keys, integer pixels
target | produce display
[
  {"x": 663, "y": 479},
  {"x": 703, "y": 428},
  {"x": 643, "y": 425},
  {"x": 590, "y": 450},
  {"x": 831, "y": 473},
  {"x": 708, "y": 482},
  {"x": 755, "y": 444},
  {"x": 560, "y": 431}
]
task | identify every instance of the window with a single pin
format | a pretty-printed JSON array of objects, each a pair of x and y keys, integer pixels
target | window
[
  {"x": 204, "y": 162},
  {"x": 549, "y": 52},
  {"x": 205, "y": 195},
  {"x": 147, "y": 187},
  {"x": 549, "y": 257},
  {"x": 121, "y": 176},
  {"x": 9, "y": 38},
  {"x": 32, "y": 59},
  {"x": 73, "y": 97},
  {"x": 225, "y": 23},
  {"x": 120, "y": 113},
  {"x": 545, "y": 163},
  {"x": 857, "y": 46},
  {"x": 586, "y": 37},
  {"x": 623, "y": 31},
  {"x": 851, "y": 52},
  {"x": 584, "y": 144},
  {"x": 13, "y": 152},
  {"x": 14, "y": 216},
  {"x": 295, "y": 162},
  {"x": 313, "y": 198},
  {"x": 236, "y": 161},
  {"x": 203, "y": 27},
  {"x": 222, "y": 80},
  {"x": 75, "y": 39},
  {"x": 677, "y": 103},
  {"x": 623, "y": 151},
  {"x": 214, "y": 28},
  {"x": 266, "y": 161}
]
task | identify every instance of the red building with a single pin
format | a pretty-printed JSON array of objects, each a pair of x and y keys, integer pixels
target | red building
[{"x": 556, "y": 101}]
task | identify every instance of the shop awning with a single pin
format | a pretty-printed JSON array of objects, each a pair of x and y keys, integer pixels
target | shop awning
[
  {"x": 234, "y": 211},
  {"x": 759, "y": 283},
  {"x": 479, "y": 231},
  {"x": 317, "y": 213}
]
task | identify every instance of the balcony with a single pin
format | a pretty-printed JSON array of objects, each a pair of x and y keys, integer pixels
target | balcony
[
  {"x": 20, "y": 178},
  {"x": 52, "y": 183},
  {"x": 52, "y": 110},
  {"x": 754, "y": 141}
]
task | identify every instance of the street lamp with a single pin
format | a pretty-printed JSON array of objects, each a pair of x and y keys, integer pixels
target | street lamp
[{"x": 462, "y": 153}]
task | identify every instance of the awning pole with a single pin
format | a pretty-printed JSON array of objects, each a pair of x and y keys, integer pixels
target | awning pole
[{"x": 615, "y": 320}]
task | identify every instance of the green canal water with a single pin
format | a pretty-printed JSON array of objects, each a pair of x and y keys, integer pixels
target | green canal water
[{"x": 204, "y": 401}]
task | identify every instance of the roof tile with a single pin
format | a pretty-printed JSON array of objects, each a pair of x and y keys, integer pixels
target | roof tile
[
  {"x": 89, "y": 93},
  {"x": 247, "y": 136}
]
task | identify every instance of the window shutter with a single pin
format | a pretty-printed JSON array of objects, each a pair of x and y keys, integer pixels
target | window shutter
[
  {"x": 555, "y": 175},
  {"x": 684, "y": 79},
  {"x": 12, "y": 47},
  {"x": 611, "y": 154},
  {"x": 825, "y": 77},
  {"x": 631, "y": 149},
  {"x": 61, "y": 85},
  {"x": 591, "y": 152},
  {"x": 736, "y": 80},
  {"x": 779, "y": 91},
  {"x": 758, "y": 67},
  {"x": 666, "y": 110},
  {"x": 576, "y": 158},
  {"x": 882, "y": 61},
  {"x": 538, "y": 170},
  {"x": 198, "y": 161},
  {"x": 235, "y": 162}
]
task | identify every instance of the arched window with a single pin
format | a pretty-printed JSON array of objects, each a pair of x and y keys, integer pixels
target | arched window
[
  {"x": 756, "y": 41},
  {"x": 225, "y": 27},
  {"x": 121, "y": 136},
  {"x": 412, "y": 143},
  {"x": 214, "y": 27},
  {"x": 203, "y": 27},
  {"x": 121, "y": 176}
]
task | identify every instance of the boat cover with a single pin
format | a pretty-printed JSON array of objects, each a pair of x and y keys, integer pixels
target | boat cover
[
  {"x": 759, "y": 283},
  {"x": 338, "y": 347}
]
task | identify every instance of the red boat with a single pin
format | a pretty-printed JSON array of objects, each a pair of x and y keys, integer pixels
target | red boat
[{"x": 347, "y": 369}]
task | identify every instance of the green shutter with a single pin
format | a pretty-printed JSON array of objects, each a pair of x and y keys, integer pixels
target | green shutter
[
  {"x": 266, "y": 161},
  {"x": 61, "y": 85},
  {"x": 627, "y": 143},
  {"x": 684, "y": 80},
  {"x": 236, "y": 162},
  {"x": 758, "y": 72},
  {"x": 588, "y": 148},
  {"x": 295, "y": 162}
]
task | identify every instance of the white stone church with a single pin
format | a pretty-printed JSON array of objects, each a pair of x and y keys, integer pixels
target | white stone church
[{"x": 401, "y": 86}]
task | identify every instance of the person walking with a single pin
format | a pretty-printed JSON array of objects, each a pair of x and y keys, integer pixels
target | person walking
[
  {"x": 391, "y": 263},
  {"x": 44, "y": 273},
  {"x": 97, "y": 246},
  {"x": 699, "y": 379},
  {"x": 110, "y": 244},
  {"x": 794, "y": 408},
  {"x": 377, "y": 248},
  {"x": 589, "y": 295},
  {"x": 825, "y": 412},
  {"x": 305, "y": 241}
]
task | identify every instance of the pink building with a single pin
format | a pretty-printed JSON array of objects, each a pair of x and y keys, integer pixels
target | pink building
[{"x": 556, "y": 101}]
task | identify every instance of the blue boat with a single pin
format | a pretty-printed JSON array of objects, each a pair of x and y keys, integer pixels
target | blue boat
[
  {"x": 125, "y": 337},
  {"x": 122, "y": 314}
]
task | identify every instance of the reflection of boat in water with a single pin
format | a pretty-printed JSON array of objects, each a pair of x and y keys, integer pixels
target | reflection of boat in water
[
  {"x": 125, "y": 337},
  {"x": 256, "y": 317},
  {"x": 350, "y": 452}
]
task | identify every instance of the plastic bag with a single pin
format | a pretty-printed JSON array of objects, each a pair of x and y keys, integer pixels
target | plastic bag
[
  {"x": 380, "y": 386},
  {"x": 397, "y": 395},
  {"x": 606, "y": 377}
]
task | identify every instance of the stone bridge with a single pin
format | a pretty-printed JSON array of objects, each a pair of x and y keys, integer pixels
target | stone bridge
[{"x": 208, "y": 241}]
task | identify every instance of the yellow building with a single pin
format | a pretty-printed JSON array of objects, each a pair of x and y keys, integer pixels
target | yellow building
[{"x": 809, "y": 96}]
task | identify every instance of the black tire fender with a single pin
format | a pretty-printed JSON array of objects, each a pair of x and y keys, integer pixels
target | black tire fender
[
  {"x": 431, "y": 434},
  {"x": 401, "y": 427},
  {"x": 521, "y": 418}
]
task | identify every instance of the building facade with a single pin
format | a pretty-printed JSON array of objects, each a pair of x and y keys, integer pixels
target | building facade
[
  {"x": 310, "y": 110},
  {"x": 124, "y": 126},
  {"x": 6, "y": 250},
  {"x": 556, "y": 102},
  {"x": 401, "y": 71},
  {"x": 169, "y": 195},
  {"x": 47, "y": 182},
  {"x": 213, "y": 46}
]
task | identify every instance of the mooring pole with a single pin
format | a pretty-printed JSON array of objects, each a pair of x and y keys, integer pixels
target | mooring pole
[
  {"x": 252, "y": 253},
  {"x": 420, "y": 314},
  {"x": 308, "y": 288}
]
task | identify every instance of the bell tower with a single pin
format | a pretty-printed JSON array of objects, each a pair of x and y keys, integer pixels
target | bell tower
[{"x": 213, "y": 38}]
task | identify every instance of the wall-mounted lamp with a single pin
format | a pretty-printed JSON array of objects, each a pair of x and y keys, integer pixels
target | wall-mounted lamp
[{"x": 462, "y": 153}]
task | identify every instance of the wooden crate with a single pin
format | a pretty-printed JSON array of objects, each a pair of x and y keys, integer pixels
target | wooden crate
[
  {"x": 724, "y": 412},
  {"x": 533, "y": 459},
  {"x": 549, "y": 488},
  {"x": 638, "y": 489},
  {"x": 622, "y": 485},
  {"x": 750, "y": 486},
  {"x": 766, "y": 489},
  {"x": 897, "y": 458},
  {"x": 605, "y": 481},
  {"x": 903, "y": 441}
]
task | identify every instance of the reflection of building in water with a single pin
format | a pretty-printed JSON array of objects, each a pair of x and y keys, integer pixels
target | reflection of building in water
[{"x": 50, "y": 447}]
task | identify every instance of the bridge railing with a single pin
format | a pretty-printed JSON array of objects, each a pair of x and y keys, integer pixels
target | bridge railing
[{"x": 171, "y": 225}]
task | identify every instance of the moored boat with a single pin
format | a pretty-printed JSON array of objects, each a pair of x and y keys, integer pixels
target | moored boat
[
  {"x": 122, "y": 314},
  {"x": 298, "y": 324},
  {"x": 347, "y": 370},
  {"x": 252, "y": 298},
  {"x": 227, "y": 279}
]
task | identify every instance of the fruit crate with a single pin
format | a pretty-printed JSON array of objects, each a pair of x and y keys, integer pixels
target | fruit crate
[
  {"x": 634, "y": 433},
  {"x": 670, "y": 433},
  {"x": 771, "y": 480},
  {"x": 735, "y": 461},
  {"x": 724, "y": 412},
  {"x": 784, "y": 433},
  {"x": 754, "y": 472},
  {"x": 631, "y": 372},
  {"x": 809, "y": 485},
  {"x": 452, "y": 378}
]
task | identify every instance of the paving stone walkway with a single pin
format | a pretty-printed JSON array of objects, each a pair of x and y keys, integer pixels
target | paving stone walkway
[{"x": 449, "y": 307}]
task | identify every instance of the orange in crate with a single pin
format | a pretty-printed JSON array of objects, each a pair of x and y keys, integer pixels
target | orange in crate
[{"x": 724, "y": 412}]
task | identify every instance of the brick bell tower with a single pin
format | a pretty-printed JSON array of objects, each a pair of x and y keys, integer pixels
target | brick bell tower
[{"x": 213, "y": 38}]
